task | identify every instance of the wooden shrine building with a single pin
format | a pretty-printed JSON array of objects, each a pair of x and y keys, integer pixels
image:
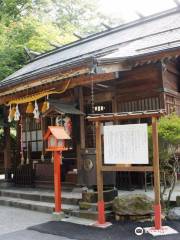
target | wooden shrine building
[{"x": 133, "y": 67}]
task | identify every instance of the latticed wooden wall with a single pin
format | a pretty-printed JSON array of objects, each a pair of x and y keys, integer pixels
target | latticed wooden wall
[
  {"x": 142, "y": 104},
  {"x": 172, "y": 104}
]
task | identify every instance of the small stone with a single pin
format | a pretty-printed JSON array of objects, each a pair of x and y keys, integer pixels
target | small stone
[{"x": 174, "y": 213}]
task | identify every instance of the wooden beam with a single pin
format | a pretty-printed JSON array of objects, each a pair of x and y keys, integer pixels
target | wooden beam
[
  {"x": 125, "y": 116},
  {"x": 114, "y": 101},
  {"x": 127, "y": 169},
  {"x": 157, "y": 56},
  {"x": 106, "y": 96},
  {"x": 116, "y": 67},
  {"x": 39, "y": 80},
  {"x": 59, "y": 85}
]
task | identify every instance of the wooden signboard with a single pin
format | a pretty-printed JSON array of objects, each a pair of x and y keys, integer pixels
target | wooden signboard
[{"x": 126, "y": 144}]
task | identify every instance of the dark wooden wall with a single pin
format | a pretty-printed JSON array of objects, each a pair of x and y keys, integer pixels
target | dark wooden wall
[
  {"x": 139, "y": 89},
  {"x": 171, "y": 85}
]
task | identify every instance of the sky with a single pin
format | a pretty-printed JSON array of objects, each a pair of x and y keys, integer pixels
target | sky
[{"x": 126, "y": 9}]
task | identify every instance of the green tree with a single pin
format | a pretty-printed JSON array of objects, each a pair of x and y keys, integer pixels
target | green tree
[
  {"x": 36, "y": 24},
  {"x": 81, "y": 16},
  {"x": 169, "y": 144},
  {"x": 17, "y": 35},
  {"x": 13, "y": 9}
]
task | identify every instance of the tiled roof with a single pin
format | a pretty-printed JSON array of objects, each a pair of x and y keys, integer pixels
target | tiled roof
[{"x": 144, "y": 36}]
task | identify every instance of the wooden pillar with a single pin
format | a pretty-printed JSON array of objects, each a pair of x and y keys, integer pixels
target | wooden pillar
[
  {"x": 101, "y": 212},
  {"x": 43, "y": 142},
  {"x": 18, "y": 139},
  {"x": 82, "y": 125},
  {"x": 81, "y": 144},
  {"x": 157, "y": 205},
  {"x": 7, "y": 146},
  {"x": 114, "y": 102}
]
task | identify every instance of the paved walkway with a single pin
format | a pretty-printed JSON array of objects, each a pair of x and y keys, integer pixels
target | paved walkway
[
  {"x": 14, "y": 221},
  {"x": 30, "y": 235}
]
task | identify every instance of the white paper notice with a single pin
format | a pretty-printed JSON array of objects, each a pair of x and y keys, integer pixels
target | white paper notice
[{"x": 126, "y": 144}]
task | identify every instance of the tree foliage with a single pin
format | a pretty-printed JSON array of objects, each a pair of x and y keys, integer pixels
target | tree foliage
[
  {"x": 13, "y": 9},
  {"x": 169, "y": 145},
  {"x": 36, "y": 23},
  {"x": 20, "y": 34}
]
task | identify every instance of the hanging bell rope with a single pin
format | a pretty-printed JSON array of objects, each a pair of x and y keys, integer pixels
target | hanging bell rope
[{"x": 37, "y": 96}]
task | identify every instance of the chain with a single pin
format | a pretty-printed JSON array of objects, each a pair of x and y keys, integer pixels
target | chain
[
  {"x": 92, "y": 95},
  {"x": 92, "y": 107}
]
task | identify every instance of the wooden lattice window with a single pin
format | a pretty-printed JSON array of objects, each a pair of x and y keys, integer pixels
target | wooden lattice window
[{"x": 32, "y": 135}]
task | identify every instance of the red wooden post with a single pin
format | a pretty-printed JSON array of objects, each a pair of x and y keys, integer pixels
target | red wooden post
[{"x": 57, "y": 181}]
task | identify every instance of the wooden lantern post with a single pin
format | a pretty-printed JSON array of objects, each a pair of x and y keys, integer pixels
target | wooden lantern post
[{"x": 56, "y": 136}]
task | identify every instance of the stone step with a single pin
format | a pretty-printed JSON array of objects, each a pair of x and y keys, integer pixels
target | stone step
[
  {"x": 45, "y": 207},
  {"x": 42, "y": 196}
]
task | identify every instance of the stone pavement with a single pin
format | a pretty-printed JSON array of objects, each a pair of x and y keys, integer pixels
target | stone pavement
[
  {"x": 14, "y": 221},
  {"x": 30, "y": 235}
]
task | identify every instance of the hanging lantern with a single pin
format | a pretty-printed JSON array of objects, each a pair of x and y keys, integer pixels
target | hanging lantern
[
  {"x": 11, "y": 113},
  {"x": 45, "y": 106},
  {"x": 36, "y": 111},
  {"x": 30, "y": 108},
  {"x": 17, "y": 114}
]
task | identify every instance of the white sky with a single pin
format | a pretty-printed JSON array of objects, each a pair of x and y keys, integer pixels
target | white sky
[{"x": 126, "y": 9}]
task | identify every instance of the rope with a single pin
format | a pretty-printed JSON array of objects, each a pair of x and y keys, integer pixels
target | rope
[{"x": 37, "y": 96}]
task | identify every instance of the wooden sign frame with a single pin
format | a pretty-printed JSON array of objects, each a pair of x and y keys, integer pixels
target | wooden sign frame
[{"x": 100, "y": 168}]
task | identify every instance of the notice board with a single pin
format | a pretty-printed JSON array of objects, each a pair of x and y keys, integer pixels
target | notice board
[{"x": 126, "y": 144}]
